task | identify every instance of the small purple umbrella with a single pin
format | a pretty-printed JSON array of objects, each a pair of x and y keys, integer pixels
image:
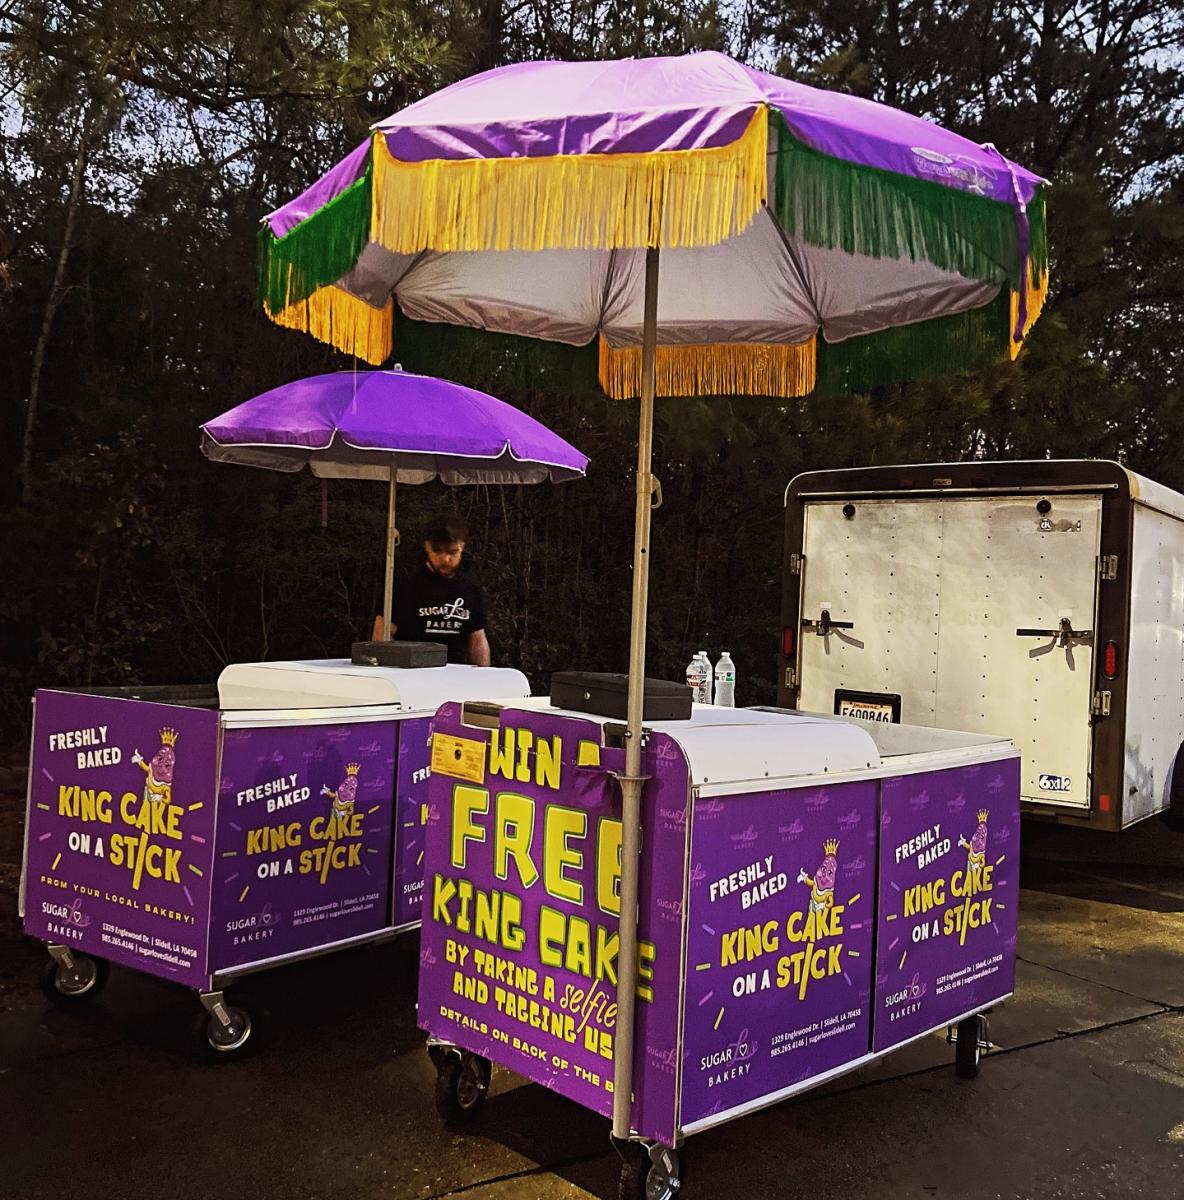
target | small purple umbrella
[{"x": 394, "y": 426}]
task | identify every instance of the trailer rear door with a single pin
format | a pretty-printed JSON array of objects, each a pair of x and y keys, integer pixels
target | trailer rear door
[
  {"x": 871, "y": 583},
  {"x": 1011, "y": 577},
  {"x": 972, "y": 613}
]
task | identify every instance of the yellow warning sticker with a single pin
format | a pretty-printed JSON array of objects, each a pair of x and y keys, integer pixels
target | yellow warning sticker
[{"x": 462, "y": 758}]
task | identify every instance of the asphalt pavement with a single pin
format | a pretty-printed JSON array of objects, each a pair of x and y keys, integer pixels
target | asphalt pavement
[{"x": 1083, "y": 1097}]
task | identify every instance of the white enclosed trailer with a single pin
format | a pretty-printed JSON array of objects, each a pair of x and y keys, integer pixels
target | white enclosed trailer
[{"x": 1043, "y": 601}]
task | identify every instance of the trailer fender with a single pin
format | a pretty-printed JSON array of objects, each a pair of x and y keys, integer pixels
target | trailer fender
[{"x": 1174, "y": 813}]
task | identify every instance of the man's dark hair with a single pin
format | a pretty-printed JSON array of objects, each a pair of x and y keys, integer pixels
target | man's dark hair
[{"x": 444, "y": 530}]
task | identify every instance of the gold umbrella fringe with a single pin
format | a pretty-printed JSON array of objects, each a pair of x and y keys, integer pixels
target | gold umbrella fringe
[
  {"x": 725, "y": 369},
  {"x": 669, "y": 198},
  {"x": 334, "y": 316},
  {"x": 1037, "y": 294}
]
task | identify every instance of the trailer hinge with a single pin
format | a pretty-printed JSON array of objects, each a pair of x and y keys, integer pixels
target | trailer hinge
[
  {"x": 1108, "y": 566},
  {"x": 791, "y": 677},
  {"x": 795, "y": 564},
  {"x": 1101, "y": 704}
]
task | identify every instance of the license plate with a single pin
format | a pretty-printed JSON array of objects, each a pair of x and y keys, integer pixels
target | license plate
[{"x": 868, "y": 706}]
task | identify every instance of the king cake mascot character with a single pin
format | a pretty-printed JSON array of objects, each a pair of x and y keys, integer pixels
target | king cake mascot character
[
  {"x": 822, "y": 885},
  {"x": 158, "y": 782},
  {"x": 347, "y": 791},
  {"x": 976, "y": 848}
]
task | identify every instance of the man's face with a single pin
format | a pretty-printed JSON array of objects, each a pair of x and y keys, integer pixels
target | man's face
[{"x": 444, "y": 557}]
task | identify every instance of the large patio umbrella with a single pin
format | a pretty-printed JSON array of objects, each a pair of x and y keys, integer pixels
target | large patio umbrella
[
  {"x": 806, "y": 238},
  {"x": 393, "y": 426}
]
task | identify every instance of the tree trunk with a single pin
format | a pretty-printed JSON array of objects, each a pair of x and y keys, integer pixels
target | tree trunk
[{"x": 57, "y": 294}]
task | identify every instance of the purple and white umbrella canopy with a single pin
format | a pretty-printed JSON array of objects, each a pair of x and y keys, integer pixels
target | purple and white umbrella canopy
[
  {"x": 808, "y": 238},
  {"x": 363, "y": 425},
  {"x": 392, "y": 426}
]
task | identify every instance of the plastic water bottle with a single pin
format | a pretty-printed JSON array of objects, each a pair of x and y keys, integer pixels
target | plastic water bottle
[
  {"x": 725, "y": 681},
  {"x": 694, "y": 676},
  {"x": 703, "y": 694}
]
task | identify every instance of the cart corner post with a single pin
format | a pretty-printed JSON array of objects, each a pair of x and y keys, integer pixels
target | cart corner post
[
  {"x": 632, "y": 782},
  {"x": 388, "y": 582}
]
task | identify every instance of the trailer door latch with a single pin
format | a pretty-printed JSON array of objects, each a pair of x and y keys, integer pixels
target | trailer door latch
[
  {"x": 795, "y": 563},
  {"x": 824, "y": 624},
  {"x": 1101, "y": 704},
  {"x": 1064, "y": 633},
  {"x": 1108, "y": 566}
]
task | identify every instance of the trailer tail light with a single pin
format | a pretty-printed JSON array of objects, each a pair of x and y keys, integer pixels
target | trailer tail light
[
  {"x": 1103, "y": 803},
  {"x": 787, "y": 641},
  {"x": 1110, "y": 660}
]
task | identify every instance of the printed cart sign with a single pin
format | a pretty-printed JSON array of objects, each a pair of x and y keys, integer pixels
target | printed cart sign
[
  {"x": 779, "y": 949},
  {"x": 120, "y": 830},
  {"x": 304, "y": 839},
  {"x": 522, "y": 896},
  {"x": 948, "y": 898}
]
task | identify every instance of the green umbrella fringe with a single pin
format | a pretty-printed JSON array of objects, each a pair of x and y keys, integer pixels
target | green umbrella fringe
[
  {"x": 317, "y": 252},
  {"x": 1038, "y": 224},
  {"x": 866, "y": 210},
  {"x": 949, "y": 345},
  {"x": 825, "y": 201}
]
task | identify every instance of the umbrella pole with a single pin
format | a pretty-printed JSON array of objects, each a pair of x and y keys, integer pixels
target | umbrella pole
[
  {"x": 388, "y": 586},
  {"x": 632, "y": 781}
]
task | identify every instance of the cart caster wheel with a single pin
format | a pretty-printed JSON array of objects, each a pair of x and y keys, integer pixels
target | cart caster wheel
[
  {"x": 648, "y": 1174},
  {"x": 462, "y": 1082},
  {"x": 226, "y": 1040},
  {"x": 969, "y": 1043},
  {"x": 84, "y": 980}
]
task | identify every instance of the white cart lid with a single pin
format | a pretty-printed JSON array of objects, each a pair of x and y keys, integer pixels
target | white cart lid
[
  {"x": 338, "y": 683},
  {"x": 749, "y": 745},
  {"x": 744, "y": 745}
]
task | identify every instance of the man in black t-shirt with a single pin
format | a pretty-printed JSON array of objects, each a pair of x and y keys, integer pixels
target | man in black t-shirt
[{"x": 440, "y": 602}]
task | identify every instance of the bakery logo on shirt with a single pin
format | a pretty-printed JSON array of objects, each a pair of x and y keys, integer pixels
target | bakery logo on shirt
[{"x": 444, "y": 618}]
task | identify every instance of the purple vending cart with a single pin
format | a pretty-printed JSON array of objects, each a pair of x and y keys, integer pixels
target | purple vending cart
[
  {"x": 814, "y": 893},
  {"x": 202, "y": 835}
]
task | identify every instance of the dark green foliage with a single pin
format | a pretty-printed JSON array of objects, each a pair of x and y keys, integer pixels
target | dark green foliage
[{"x": 137, "y": 560}]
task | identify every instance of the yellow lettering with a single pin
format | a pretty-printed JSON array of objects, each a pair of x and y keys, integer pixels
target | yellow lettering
[
  {"x": 501, "y": 753},
  {"x": 525, "y": 741},
  {"x": 513, "y": 935},
  {"x": 443, "y": 892},
  {"x": 645, "y": 970},
  {"x": 514, "y": 832},
  {"x": 551, "y": 937},
  {"x": 267, "y": 839},
  {"x": 578, "y": 958},
  {"x": 587, "y": 755},
  {"x": 548, "y": 756},
  {"x": 466, "y": 803},
  {"x": 608, "y": 866},
  {"x": 559, "y": 824}
]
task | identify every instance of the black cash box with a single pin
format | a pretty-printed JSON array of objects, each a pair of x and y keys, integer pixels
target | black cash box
[
  {"x": 606, "y": 695},
  {"x": 399, "y": 654}
]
